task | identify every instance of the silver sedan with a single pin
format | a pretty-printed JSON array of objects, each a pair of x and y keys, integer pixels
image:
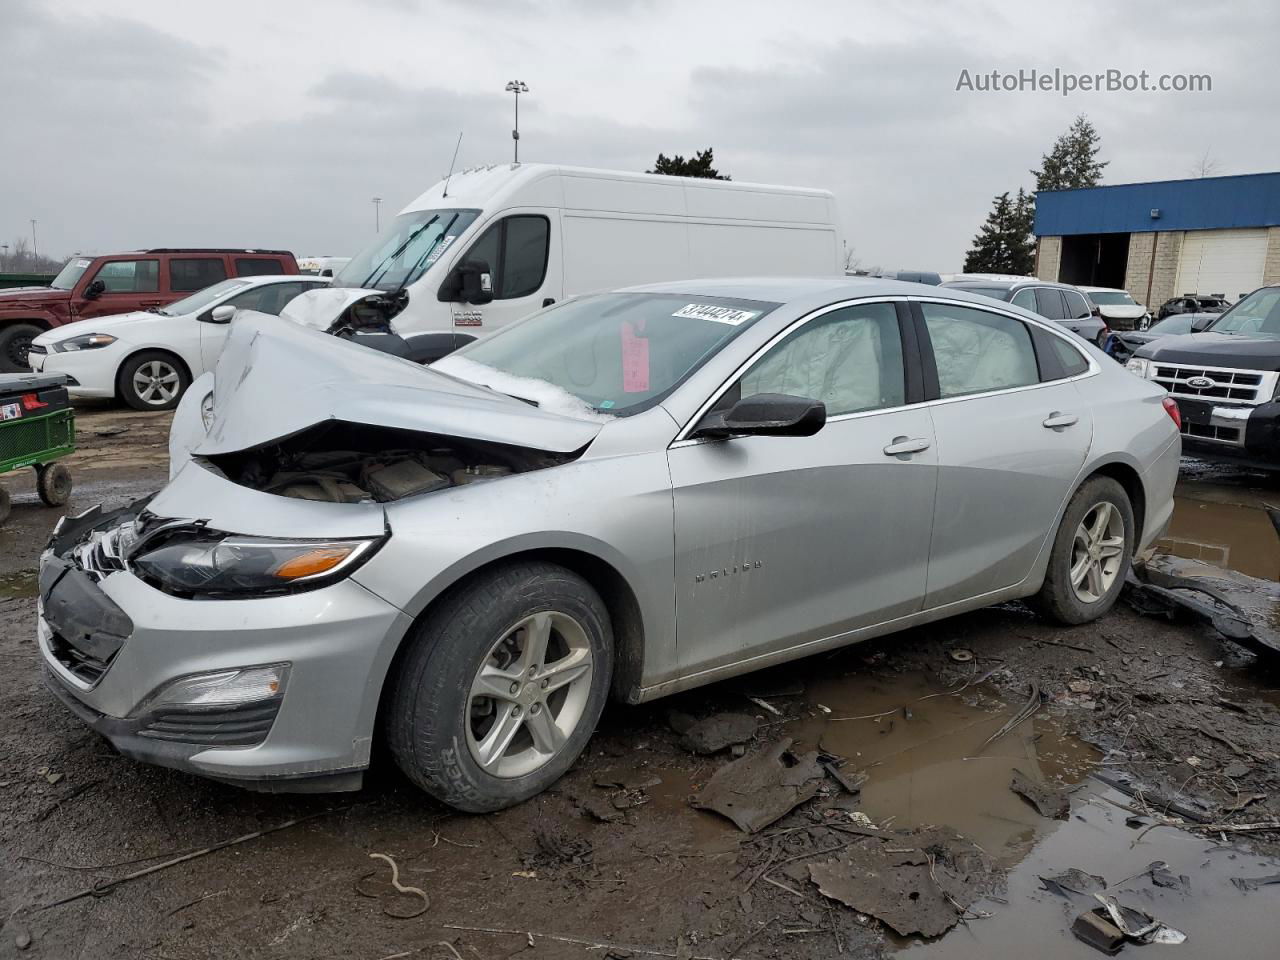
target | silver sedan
[{"x": 628, "y": 494}]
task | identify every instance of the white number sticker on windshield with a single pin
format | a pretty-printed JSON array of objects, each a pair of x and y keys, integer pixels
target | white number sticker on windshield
[
  {"x": 444, "y": 245},
  {"x": 82, "y": 264},
  {"x": 707, "y": 311}
]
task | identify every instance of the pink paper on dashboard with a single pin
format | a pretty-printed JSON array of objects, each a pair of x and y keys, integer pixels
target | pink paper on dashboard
[{"x": 635, "y": 361}]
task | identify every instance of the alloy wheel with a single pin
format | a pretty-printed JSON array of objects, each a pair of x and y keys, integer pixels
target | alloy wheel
[
  {"x": 156, "y": 382},
  {"x": 1097, "y": 552},
  {"x": 529, "y": 694}
]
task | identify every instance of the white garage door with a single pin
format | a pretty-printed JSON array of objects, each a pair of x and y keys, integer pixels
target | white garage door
[{"x": 1228, "y": 262}]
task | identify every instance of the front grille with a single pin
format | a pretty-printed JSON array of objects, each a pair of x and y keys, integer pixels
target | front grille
[
  {"x": 1207, "y": 431},
  {"x": 80, "y": 664},
  {"x": 240, "y": 726},
  {"x": 1230, "y": 386}
]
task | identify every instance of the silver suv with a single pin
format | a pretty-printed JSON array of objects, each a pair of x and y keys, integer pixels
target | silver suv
[
  {"x": 1054, "y": 301},
  {"x": 631, "y": 493}
]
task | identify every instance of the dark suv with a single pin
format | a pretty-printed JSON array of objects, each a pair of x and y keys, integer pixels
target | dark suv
[
  {"x": 1054, "y": 301},
  {"x": 1225, "y": 376},
  {"x": 121, "y": 283}
]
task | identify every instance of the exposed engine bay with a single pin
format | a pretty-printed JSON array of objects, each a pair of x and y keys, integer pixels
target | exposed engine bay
[{"x": 340, "y": 462}]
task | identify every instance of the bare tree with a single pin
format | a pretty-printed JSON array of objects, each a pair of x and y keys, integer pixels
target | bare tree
[
  {"x": 851, "y": 261},
  {"x": 1206, "y": 166},
  {"x": 17, "y": 257}
]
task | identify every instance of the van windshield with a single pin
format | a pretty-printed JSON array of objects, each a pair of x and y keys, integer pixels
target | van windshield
[
  {"x": 613, "y": 353},
  {"x": 402, "y": 253}
]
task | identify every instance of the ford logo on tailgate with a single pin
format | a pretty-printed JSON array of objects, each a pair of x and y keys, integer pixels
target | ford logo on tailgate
[{"x": 1202, "y": 383}]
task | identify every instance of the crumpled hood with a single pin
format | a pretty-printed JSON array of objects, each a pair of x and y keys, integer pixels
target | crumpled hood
[
  {"x": 276, "y": 379},
  {"x": 118, "y": 326},
  {"x": 317, "y": 309}
]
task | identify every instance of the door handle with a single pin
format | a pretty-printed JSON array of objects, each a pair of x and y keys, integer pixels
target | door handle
[
  {"x": 904, "y": 445},
  {"x": 1056, "y": 420}
]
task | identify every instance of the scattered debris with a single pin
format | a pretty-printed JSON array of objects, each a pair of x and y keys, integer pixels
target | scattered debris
[
  {"x": 597, "y": 807},
  {"x": 1079, "y": 686},
  {"x": 718, "y": 732},
  {"x": 1243, "y": 801},
  {"x": 1138, "y": 926},
  {"x": 1095, "y": 928},
  {"x": 1236, "y": 770},
  {"x": 627, "y": 779},
  {"x": 922, "y": 883},
  {"x": 1253, "y": 883},
  {"x": 961, "y": 655},
  {"x": 850, "y": 783},
  {"x": 1028, "y": 710},
  {"x": 1073, "y": 880},
  {"x": 556, "y": 848},
  {"x": 1162, "y": 876},
  {"x": 111, "y": 430},
  {"x": 1048, "y": 801},
  {"x": 765, "y": 705},
  {"x": 22, "y": 939},
  {"x": 763, "y": 787},
  {"x": 399, "y": 888}
]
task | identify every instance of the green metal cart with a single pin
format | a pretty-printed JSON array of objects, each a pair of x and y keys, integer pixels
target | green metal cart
[{"x": 37, "y": 428}]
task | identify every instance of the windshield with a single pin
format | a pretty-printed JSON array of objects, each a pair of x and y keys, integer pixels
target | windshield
[
  {"x": 411, "y": 243},
  {"x": 1257, "y": 315},
  {"x": 70, "y": 273},
  {"x": 616, "y": 353},
  {"x": 1178, "y": 323},
  {"x": 1111, "y": 298},
  {"x": 999, "y": 293},
  {"x": 201, "y": 298}
]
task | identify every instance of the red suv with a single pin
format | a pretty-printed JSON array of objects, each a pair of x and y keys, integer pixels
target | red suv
[{"x": 119, "y": 283}]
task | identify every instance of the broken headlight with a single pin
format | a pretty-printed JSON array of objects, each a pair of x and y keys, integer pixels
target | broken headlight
[{"x": 203, "y": 563}]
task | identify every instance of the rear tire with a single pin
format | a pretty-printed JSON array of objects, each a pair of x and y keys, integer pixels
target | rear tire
[
  {"x": 53, "y": 483},
  {"x": 152, "y": 380},
  {"x": 476, "y": 717},
  {"x": 15, "y": 342},
  {"x": 1091, "y": 554}
]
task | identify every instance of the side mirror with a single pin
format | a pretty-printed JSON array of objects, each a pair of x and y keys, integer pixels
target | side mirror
[
  {"x": 1201, "y": 324},
  {"x": 95, "y": 290},
  {"x": 222, "y": 314},
  {"x": 766, "y": 415},
  {"x": 468, "y": 282}
]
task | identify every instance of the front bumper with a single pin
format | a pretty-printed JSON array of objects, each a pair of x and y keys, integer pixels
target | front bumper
[
  {"x": 1248, "y": 435},
  {"x": 109, "y": 643},
  {"x": 92, "y": 372}
]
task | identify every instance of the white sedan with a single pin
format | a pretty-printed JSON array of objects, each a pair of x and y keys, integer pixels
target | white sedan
[{"x": 148, "y": 359}]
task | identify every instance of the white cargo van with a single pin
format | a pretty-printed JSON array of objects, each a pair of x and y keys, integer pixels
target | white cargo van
[{"x": 491, "y": 245}]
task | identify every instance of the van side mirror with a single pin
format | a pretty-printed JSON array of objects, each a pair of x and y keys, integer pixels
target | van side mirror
[
  {"x": 765, "y": 415},
  {"x": 468, "y": 282},
  {"x": 222, "y": 314},
  {"x": 95, "y": 290}
]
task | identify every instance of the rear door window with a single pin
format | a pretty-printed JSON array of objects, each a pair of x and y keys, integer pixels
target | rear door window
[
  {"x": 130, "y": 276},
  {"x": 1077, "y": 305},
  {"x": 976, "y": 351},
  {"x": 258, "y": 267},
  {"x": 1049, "y": 303},
  {"x": 1026, "y": 298},
  {"x": 188, "y": 274}
]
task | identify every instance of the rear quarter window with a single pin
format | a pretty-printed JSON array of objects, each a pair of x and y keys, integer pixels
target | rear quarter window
[{"x": 189, "y": 274}]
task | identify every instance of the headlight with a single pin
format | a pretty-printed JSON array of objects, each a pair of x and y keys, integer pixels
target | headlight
[
  {"x": 1139, "y": 367},
  {"x": 86, "y": 341},
  {"x": 206, "y": 563}
]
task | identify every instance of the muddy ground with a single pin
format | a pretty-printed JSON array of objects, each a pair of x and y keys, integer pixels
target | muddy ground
[{"x": 615, "y": 862}]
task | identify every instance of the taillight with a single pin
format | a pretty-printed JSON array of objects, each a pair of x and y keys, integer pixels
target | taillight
[
  {"x": 32, "y": 402},
  {"x": 1171, "y": 408}
]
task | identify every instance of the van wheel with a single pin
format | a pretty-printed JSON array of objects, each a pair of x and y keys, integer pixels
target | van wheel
[
  {"x": 501, "y": 686},
  {"x": 1091, "y": 554},
  {"x": 15, "y": 344},
  {"x": 53, "y": 483},
  {"x": 152, "y": 380}
]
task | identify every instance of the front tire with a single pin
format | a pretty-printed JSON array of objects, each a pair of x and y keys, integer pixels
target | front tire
[
  {"x": 501, "y": 686},
  {"x": 1091, "y": 554},
  {"x": 15, "y": 344},
  {"x": 152, "y": 380}
]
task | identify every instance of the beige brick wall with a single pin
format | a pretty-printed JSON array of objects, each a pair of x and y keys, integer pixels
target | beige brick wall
[
  {"x": 1138, "y": 268},
  {"x": 1165, "y": 276},
  {"x": 1048, "y": 257},
  {"x": 1271, "y": 266}
]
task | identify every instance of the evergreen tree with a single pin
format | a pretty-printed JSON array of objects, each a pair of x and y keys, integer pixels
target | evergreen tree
[
  {"x": 1073, "y": 162},
  {"x": 1004, "y": 244},
  {"x": 699, "y": 165}
]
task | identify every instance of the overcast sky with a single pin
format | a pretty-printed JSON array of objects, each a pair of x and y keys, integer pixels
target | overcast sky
[{"x": 154, "y": 123}]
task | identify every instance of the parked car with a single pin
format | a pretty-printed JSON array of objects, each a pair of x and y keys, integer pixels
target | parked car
[
  {"x": 1193, "y": 303},
  {"x": 322, "y": 266},
  {"x": 1224, "y": 380},
  {"x": 149, "y": 358},
  {"x": 1054, "y": 301},
  {"x": 1119, "y": 310},
  {"x": 488, "y": 246},
  {"x": 640, "y": 492},
  {"x": 91, "y": 287},
  {"x": 1126, "y": 342}
]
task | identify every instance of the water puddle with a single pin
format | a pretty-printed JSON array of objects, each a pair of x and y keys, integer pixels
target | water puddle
[
  {"x": 21, "y": 585},
  {"x": 1224, "y": 526}
]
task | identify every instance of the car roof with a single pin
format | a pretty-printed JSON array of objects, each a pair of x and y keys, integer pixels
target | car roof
[
  {"x": 1007, "y": 283},
  {"x": 1102, "y": 289}
]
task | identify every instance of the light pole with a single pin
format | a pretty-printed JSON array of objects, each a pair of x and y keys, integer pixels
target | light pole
[
  {"x": 35, "y": 248},
  {"x": 517, "y": 87},
  {"x": 377, "y": 214}
]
